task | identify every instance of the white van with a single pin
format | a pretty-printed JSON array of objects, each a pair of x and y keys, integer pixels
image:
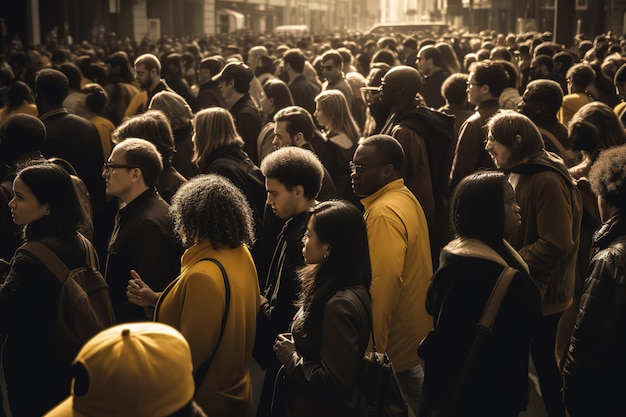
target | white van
[{"x": 297, "y": 30}]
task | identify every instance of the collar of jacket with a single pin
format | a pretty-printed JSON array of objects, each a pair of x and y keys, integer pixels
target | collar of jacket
[
  {"x": 544, "y": 161},
  {"x": 137, "y": 204},
  {"x": 393, "y": 185},
  {"x": 474, "y": 248},
  {"x": 610, "y": 230}
]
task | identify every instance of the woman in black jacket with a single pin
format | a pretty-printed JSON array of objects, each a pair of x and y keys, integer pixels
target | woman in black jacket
[
  {"x": 483, "y": 213},
  {"x": 329, "y": 334},
  {"x": 35, "y": 371}
]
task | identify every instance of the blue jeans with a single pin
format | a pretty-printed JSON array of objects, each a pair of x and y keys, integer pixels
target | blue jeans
[{"x": 411, "y": 381}]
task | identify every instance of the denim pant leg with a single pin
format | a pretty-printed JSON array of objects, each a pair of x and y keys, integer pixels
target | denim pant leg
[{"x": 411, "y": 381}]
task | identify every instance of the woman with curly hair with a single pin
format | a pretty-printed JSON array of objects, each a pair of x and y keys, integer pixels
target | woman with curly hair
[
  {"x": 213, "y": 220},
  {"x": 331, "y": 329}
]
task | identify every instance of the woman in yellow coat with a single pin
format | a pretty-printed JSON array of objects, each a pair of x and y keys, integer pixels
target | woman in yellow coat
[{"x": 214, "y": 221}]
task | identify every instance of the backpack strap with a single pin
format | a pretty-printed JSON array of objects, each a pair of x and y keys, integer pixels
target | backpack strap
[
  {"x": 200, "y": 373},
  {"x": 553, "y": 140},
  {"x": 48, "y": 258}
]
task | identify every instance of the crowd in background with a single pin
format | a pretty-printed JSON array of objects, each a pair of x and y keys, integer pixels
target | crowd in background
[{"x": 342, "y": 182}]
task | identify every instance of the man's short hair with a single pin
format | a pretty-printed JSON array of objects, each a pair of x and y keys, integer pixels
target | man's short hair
[
  {"x": 20, "y": 134},
  {"x": 298, "y": 120},
  {"x": 548, "y": 92},
  {"x": 491, "y": 74},
  {"x": 149, "y": 61},
  {"x": 511, "y": 71},
  {"x": 431, "y": 52},
  {"x": 454, "y": 89},
  {"x": 581, "y": 74},
  {"x": 213, "y": 64},
  {"x": 295, "y": 58},
  {"x": 389, "y": 149},
  {"x": 144, "y": 155},
  {"x": 545, "y": 60},
  {"x": 334, "y": 56},
  {"x": 293, "y": 166},
  {"x": 51, "y": 85}
]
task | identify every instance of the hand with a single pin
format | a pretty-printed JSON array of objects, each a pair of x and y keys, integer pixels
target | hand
[
  {"x": 284, "y": 347},
  {"x": 139, "y": 293}
]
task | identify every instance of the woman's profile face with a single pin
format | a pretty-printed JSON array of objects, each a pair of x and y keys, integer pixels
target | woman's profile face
[
  {"x": 314, "y": 250},
  {"x": 321, "y": 116},
  {"x": 25, "y": 208},
  {"x": 512, "y": 217},
  {"x": 267, "y": 104}
]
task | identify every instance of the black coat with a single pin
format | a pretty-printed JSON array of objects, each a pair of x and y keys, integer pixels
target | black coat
[
  {"x": 248, "y": 122},
  {"x": 322, "y": 379},
  {"x": 595, "y": 361},
  {"x": 143, "y": 240},
  {"x": 498, "y": 382},
  {"x": 36, "y": 373}
]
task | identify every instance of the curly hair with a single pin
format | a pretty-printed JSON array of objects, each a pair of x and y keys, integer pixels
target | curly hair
[
  {"x": 293, "y": 166},
  {"x": 209, "y": 207},
  {"x": 607, "y": 176}
]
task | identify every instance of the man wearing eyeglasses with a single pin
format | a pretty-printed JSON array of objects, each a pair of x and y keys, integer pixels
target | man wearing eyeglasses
[
  {"x": 332, "y": 64},
  {"x": 143, "y": 238},
  {"x": 487, "y": 80},
  {"x": 399, "y": 246}
]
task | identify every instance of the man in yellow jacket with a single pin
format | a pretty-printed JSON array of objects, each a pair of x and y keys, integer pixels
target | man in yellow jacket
[{"x": 400, "y": 255}]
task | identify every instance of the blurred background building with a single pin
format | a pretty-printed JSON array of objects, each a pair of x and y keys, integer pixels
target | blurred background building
[{"x": 32, "y": 20}]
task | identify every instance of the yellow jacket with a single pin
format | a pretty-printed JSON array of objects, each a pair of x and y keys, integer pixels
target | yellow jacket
[
  {"x": 194, "y": 304},
  {"x": 401, "y": 270}
]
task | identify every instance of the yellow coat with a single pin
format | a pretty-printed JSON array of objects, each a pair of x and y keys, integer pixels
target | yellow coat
[
  {"x": 399, "y": 245},
  {"x": 194, "y": 304}
]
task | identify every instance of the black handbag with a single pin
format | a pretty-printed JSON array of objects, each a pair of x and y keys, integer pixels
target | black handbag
[{"x": 379, "y": 384}]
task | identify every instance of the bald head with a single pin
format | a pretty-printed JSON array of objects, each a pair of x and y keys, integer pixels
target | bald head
[{"x": 400, "y": 85}]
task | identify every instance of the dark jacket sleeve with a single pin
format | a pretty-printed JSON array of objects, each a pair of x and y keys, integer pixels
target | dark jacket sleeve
[{"x": 340, "y": 351}]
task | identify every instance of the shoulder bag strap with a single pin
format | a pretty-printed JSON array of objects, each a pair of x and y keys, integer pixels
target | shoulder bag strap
[
  {"x": 553, "y": 139},
  {"x": 204, "y": 367},
  {"x": 483, "y": 329},
  {"x": 48, "y": 258},
  {"x": 371, "y": 319}
]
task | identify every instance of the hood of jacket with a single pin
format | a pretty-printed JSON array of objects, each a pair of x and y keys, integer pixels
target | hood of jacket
[
  {"x": 544, "y": 161},
  {"x": 474, "y": 248}
]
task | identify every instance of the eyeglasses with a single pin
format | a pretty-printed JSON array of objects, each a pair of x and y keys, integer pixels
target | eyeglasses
[
  {"x": 108, "y": 166},
  {"x": 468, "y": 83},
  {"x": 360, "y": 168},
  {"x": 327, "y": 67}
]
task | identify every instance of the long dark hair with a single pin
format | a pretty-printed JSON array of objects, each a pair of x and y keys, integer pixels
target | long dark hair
[
  {"x": 53, "y": 186},
  {"x": 477, "y": 207},
  {"x": 340, "y": 225}
]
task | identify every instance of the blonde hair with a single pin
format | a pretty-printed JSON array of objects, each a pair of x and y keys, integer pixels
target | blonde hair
[
  {"x": 335, "y": 106},
  {"x": 174, "y": 107},
  {"x": 214, "y": 129}
]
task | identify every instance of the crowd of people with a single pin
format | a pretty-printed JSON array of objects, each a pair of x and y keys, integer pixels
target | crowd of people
[{"x": 272, "y": 203}]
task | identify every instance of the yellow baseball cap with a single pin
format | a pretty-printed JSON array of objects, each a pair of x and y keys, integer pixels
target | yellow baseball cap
[{"x": 132, "y": 369}]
